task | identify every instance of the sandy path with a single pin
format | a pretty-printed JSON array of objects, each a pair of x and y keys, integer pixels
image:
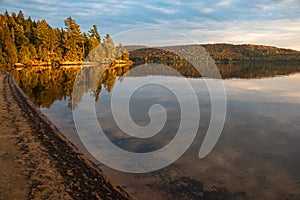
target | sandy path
[{"x": 36, "y": 161}]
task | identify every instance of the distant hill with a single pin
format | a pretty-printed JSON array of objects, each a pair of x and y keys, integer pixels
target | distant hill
[
  {"x": 246, "y": 52},
  {"x": 218, "y": 52}
]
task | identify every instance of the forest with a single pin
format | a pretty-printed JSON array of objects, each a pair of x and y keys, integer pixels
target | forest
[
  {"x": 218, "y": 52},
  {"x": 33, "y": 42},
  {"x": 250, "y": 52}
]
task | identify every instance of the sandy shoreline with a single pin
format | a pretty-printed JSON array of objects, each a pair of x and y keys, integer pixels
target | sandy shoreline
[{"x": 37, "y": 161}]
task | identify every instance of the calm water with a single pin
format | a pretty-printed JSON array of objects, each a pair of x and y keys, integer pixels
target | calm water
[{"x": 256, "y": 157}]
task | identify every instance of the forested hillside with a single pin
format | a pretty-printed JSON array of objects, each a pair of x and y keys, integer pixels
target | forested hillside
[
  {"x": 249, "y": 52},
  {"x": 30, "y": 42},
  {"x": 33, "y": 42},
  {"x": 218, "y": 52}
]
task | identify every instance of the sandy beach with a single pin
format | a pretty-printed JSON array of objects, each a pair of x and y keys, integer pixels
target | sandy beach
[{"x": 37, "y": 161}]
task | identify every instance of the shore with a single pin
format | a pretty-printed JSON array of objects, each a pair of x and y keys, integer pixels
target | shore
[{"x": 37, "y": 161}]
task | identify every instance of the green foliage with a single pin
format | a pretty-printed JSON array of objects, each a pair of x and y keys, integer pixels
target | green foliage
[
  {"x": 47, "y": 42},
  {"x": 248, "y": 52},
  {"x": 36, "y": 43},
  {"x": 9, "y": 51},
  {"x": 45, "y": 85},
  {"x": 109, "y": 48},
  {"x": 122, "y": 53},
  {"x": 94, "y": 33},
  {"x": 218, "y": 52},
  {"x": 95, "y": 47},
  {"x": 73, "y": 41},
  {"x": 26, "y": 54},
  {"x": 199, "y": 57}
]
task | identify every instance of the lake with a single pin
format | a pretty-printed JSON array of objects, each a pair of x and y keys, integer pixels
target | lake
[{"x": 256, "y": 157}]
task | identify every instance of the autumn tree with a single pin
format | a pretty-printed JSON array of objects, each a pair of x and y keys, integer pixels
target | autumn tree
[
  {"x": 47, "y": 42},
  {"x": 95, "y": 47},
  {"x": 73, "y": 41},
  {"x": 30, "y": 42},
  {"x": 8, "y": 49},
  {"x": 20, "y": 17},
  {"x": 122, "y": 53},
  {"x": 109, "y": 47}
]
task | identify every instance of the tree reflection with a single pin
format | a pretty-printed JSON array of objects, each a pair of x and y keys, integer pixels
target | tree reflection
[{"x": 46, "y": 85}]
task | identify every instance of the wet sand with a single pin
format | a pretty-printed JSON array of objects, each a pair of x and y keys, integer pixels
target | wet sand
[{"x": 37, "y": 161}]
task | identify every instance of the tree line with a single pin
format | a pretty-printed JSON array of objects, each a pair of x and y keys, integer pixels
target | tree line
[
  {"x": 44, "y": 86},
  {"x": 250, "y": 52},
  {"x": 31, "y": 42},
  {"x": 218, "y": 52}
]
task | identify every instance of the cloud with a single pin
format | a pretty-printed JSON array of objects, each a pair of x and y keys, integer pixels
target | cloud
[
  {"x": 207, "y": 10},
  {"x": 160, "y": 9},
  {"x": 286, "y": 34},
  {"x": 225, "y": 2},
  {"x": 278, "y": 90}
]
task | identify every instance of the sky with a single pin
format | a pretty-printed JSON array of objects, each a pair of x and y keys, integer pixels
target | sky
[{"x": 267, "y": 22}]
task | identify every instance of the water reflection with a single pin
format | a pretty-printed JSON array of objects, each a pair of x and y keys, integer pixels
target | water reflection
[
  {"x": 45, "y": 85},
  {"x": 257, "y": 156}
]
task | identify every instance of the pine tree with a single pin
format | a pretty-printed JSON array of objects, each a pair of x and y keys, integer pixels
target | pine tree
[
  {"x": 109, "y": 47},
  {"x": 26, "y": 41},
  {"x": 20, "y": 17},
  {"x": 7, "y": 46},
  {"x": 25, "y": 56},
  {"x": 29, "y": 30},
  {"x": 94, "y": 38},
  {"x": 72, "y": 41},
  {"x": 6, "y": 16},
  {"x": 47, "y": 42},
  {"x": 22, "y": 44},
  {"x": 58, "y": 51},
  {"x": 3, "y": 63},
  {"x": 94, "y": 33},
  {"x": 95, "y": 47},
  {"x": 9, "y": 49},
  {"x": 122, "y": 53}
]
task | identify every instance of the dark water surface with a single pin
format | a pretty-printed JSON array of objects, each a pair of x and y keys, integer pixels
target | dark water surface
[{"x": 256, "y": 157}]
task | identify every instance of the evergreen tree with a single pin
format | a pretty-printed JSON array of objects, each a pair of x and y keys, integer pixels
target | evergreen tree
[
  {"x": 95, "y": 47},
  {"x": 59, "y": 49},
  {"x": 72, "y": 41},
  {"x": 29, "y": 30},
  {"x": 22, "y": 44},
  {"x": 94, "y": 33},
  {"x": 122, "y": 53},
  {"x": 27, "y": 41},
  {"x": 47, "y": 42},
  {"x": 9, "y": 49},
  {"x": 6, "y": 16},
  {"x": 3, "y": 63},
  {"x": 109, "y": 48},
  {"x": 20, "y": 17},
  {"x": 7, "y": 46},
  {"x": 85, "y": 45},
  {"x": 94, "y": 38},
  {"x": 26, "y": 54}
]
